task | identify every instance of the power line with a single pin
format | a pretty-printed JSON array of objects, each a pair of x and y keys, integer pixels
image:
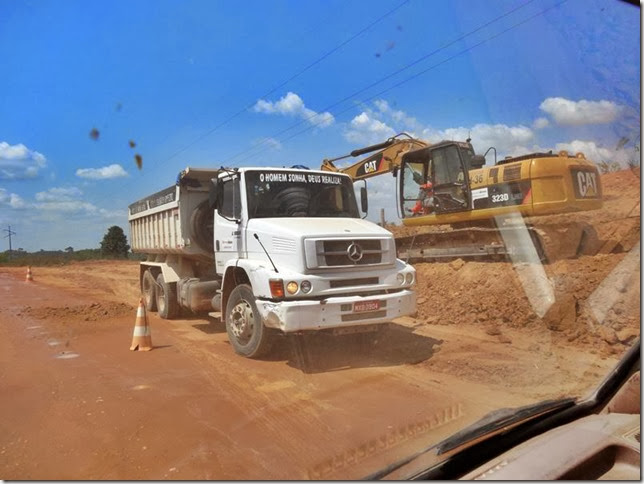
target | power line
[
  {"x": 379, "y": 81},
  {"x": 404, "y": 81},
  {"x": 282, "y": 84}
]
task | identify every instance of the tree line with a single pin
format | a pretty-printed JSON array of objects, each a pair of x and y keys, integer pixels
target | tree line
[{"x": 113, "y": 246}]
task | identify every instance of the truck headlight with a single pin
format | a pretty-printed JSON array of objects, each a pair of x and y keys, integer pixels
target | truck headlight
[
  {"x": 305, "y": 286},
  {"x": 292, "y": 287},
  {"x": 400, "y": 277},
  {"x": 409, "y": 278}
]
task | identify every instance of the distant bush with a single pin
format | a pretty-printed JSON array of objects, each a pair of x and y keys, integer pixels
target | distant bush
[{"x": 57, "y": 257}]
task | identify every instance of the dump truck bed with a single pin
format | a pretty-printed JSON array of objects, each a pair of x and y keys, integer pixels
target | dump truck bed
[{"x": 174, "y": 220}]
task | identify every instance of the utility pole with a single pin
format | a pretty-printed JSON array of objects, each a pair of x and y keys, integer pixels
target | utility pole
[{"x": 9, "y": 234}]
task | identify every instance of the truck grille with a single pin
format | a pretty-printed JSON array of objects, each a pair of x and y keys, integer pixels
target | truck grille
[
  {"x": 360, "y": 316},
  {"x": 363, "y": 281},
  {"x": 351, "y": 252}
]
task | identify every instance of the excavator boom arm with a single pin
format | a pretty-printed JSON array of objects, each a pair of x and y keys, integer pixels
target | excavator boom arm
[{"x": 385, "y": 160}]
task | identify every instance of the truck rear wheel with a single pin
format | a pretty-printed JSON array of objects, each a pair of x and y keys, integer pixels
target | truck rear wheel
[
  {"x": 166, "y": 297},
  {"x": 246, "y": 332},
  {"x": 148, "y": 287}
]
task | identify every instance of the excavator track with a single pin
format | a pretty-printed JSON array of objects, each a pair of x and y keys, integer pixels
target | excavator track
[{"x": 527, "y": 242}]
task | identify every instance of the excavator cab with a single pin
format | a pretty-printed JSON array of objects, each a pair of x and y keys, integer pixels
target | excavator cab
[{"x": 435, "y": 180}]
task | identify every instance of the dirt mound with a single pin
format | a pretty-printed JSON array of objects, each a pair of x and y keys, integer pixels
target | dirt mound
[
  {"x": 85, "y": 312},
  {"x": 594, "y": 300}
]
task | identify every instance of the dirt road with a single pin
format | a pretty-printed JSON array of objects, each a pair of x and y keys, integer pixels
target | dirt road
[
  {"x": 77, "y": 404},
  {"x": 80, "y": 405}
]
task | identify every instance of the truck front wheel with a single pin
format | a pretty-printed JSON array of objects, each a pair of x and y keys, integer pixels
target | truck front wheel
[
  {"x": 148, "y": 287},
  {"x": 246, "y": 332},
  {"x": 166, "y": 293}
]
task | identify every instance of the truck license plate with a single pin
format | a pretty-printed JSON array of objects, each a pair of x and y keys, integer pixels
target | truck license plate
[{"x": 362, "y": 306}]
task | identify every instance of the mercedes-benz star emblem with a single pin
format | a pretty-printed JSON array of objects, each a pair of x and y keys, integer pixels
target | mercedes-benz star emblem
[{"x": 354, "y": 252}]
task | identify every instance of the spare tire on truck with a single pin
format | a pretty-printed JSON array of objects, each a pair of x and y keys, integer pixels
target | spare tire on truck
[
  {"x": 201, "y": 226},
  {"x": 293, "y": 202}
]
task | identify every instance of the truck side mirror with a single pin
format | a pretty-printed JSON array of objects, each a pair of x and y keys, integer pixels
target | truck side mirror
[
  {"x": 213, "y": 192},
  {"x": 364, "y": 202}
]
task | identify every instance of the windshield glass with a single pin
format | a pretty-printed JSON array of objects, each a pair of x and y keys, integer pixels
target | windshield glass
[
  {"x": 447, "y": 166},
  {"x": 288, "y": 194},
  {"x": 178, "y": 177}
]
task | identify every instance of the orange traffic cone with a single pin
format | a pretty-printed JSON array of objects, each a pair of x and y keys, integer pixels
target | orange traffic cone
[
  {"x": 141, "y": 339},
  {"x": 29, "y": 277}
]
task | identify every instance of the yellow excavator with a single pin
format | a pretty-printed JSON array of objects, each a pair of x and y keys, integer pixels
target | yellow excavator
[{"x": 471, "y": 210}]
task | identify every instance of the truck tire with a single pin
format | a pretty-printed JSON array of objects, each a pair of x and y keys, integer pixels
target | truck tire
[
  {"x": 148, "y": 288},
  {"x": 246, "y": 331},
  {"x": 167, "y": 304}
]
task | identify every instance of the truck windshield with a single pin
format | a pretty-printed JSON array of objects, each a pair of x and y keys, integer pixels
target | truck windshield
[{"x": 275, "y": 193}]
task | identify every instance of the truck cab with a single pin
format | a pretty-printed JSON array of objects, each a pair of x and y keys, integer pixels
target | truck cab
[{"x": 274, "y": 250}]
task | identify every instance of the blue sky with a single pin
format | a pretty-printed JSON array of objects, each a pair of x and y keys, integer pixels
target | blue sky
[{"x": 203, "y": 83}]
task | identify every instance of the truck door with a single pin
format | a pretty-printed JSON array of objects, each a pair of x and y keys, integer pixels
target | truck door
[{"x": 227, "y": 230}]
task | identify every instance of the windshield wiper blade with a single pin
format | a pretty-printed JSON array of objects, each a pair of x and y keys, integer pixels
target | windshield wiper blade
[
  {"x": 544, "y": 415},
  {"x": 489, "y": 424},
  {"x": 499, "y": 419}
]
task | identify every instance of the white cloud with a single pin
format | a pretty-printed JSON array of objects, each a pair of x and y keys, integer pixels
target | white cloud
[
  {"x": 590, "y": 149},
  {"x": 270, "y": 142},
  {"x": 58, "y": 194},
  {"x": 12, "y": 200},
  {"x": 567, "y": 112},
  {"x": 398, "y": 116},
  {"x": 103, "y": 173},
  {"x": 506, "y": 139},
  {"x": 365, "y": 129},
  {"x": 292, "y": 105},
  {"x": 378, "y": 124},
  {"x": 58, "y": 200},
  {"x": 540, "y": 123},
  {"x": 18, "y": 162},
  {"x": 66, "y": 200},
  {"x": 382, "y": 105},
  {"x": 68, "y": 206}
]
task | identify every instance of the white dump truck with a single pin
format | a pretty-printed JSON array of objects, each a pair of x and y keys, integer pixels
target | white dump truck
[{"x": 268, "y": 249}]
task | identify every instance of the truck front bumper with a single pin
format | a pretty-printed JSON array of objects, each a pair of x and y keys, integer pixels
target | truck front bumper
[{"x": 336, "y": 312}]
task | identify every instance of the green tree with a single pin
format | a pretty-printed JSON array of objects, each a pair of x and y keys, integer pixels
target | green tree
[{"x": 114, "y": 243}]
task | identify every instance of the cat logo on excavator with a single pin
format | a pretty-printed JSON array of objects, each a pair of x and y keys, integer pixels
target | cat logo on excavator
[{"x": 587, "y": 184}]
